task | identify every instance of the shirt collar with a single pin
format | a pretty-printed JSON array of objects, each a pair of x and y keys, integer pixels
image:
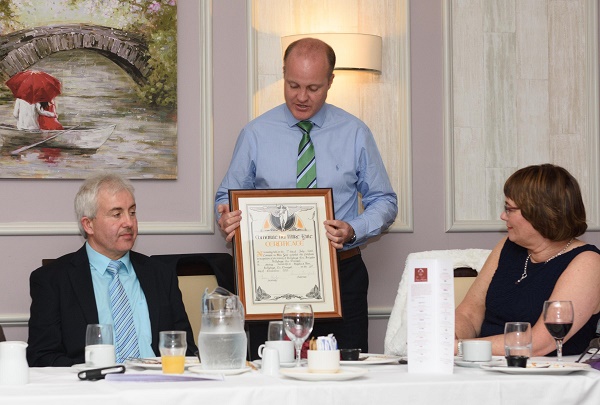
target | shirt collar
[
  {"x": 318, "y": 119},
  {"x": 100, "y": 262}
]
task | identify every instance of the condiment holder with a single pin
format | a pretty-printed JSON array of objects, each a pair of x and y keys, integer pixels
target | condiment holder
[{"x": 323, "y": 355}]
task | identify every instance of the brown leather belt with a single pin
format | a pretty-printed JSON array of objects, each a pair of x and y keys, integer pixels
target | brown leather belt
[{"x": 347, "y": 254}]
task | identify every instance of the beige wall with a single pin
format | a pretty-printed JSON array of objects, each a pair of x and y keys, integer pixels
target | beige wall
[
  {"x": 384, "y": 256},
  {"x": 522, "y": 90}
]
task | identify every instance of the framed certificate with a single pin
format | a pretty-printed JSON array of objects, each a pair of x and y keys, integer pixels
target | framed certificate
[{"x": 282, "y": 254}]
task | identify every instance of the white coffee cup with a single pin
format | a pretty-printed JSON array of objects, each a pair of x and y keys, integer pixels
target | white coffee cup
[
  {"x": 284, "y": 347},
  {"x": 270, "y": 361},
  {"x": 323, "y": 361},
  {"x": 99, "y": 346},
  {"x": 477, "y": 350}
]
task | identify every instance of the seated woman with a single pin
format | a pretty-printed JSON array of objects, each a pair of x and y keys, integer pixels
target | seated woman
[{"x": 539, "y": 260}]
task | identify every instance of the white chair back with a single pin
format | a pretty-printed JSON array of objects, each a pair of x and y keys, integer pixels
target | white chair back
[{"x": 395, "y": 337}]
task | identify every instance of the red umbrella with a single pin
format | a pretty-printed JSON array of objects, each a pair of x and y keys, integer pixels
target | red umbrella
[{"x": 34, "y": 86}]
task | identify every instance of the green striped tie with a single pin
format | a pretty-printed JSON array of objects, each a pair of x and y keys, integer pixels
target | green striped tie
[{"x": 306, "y": 175}]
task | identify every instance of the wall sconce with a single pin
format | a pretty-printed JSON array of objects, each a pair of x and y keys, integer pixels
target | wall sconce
[{"x": 352, "y": 51}]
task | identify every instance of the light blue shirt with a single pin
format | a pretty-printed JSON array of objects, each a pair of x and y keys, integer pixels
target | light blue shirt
[
  {"x": 348, "y": 161},
  {"x": 101, "y": 280}
]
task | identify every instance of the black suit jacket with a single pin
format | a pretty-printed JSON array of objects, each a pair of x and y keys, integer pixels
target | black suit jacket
[{"x": 63, "y": 304}]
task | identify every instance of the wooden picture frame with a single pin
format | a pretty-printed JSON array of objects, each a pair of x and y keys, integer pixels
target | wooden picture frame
[{"x": 282, "y": 254}]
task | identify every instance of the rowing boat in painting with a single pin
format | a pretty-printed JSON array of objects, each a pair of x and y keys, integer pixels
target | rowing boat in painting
[{"x": 80, "y": 137}]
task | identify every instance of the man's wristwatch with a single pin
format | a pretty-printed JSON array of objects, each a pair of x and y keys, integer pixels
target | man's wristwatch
[{"x": 352, "y": 239}]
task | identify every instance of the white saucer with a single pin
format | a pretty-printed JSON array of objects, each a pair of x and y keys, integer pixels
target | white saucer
[
  {"x": 258, "y": 363},
  {"x": 368, "y": 359},
  {"x": 496, "y": 360},
  {"x": 540, "y": 367},
  {"x": 345, "y": 373},
  {"x": 231, "y": 371},
  {"x": 154, "y": 363}
]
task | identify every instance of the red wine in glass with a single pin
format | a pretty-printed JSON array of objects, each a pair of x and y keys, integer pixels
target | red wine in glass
[
  {"x": 558, "y": 318},
  {"x": 558, "y": 330}
]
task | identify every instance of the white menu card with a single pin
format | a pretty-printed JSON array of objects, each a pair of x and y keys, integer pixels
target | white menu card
[{"x": 430, "y": 314}]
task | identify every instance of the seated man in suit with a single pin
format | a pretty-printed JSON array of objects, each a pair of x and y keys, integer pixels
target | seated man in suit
[{"x": 77, "y": 289}]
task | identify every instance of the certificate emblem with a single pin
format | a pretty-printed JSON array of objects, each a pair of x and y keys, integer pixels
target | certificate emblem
[{"x": 282, "y": 217}]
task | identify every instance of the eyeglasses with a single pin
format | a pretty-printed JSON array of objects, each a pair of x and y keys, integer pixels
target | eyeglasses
[{"x": 509, "y": 210}]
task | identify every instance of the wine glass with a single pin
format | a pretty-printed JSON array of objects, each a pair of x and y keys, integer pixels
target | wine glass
[
  {"x": 558, "y": 318},
  {"x": 298, "y": 320}
]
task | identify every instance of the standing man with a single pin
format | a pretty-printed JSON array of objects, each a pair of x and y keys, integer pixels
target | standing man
[
  {"x": 103, "y": 282},
  {"x": 271, "y": 152}
]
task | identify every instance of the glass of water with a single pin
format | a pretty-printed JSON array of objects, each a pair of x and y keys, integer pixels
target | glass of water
[
  {"x": 517, "y": 343},
  {"x": 276, "y": 331},
  {"x": 298, "y": 320}
]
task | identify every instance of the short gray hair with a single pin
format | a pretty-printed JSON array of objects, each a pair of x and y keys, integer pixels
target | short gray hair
[{"x": 86, "y": 200}]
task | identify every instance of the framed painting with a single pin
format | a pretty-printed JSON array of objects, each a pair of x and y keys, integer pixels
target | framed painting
[
  {"x": 282, "y": 254},
  {"x": 88, "y": 84}
]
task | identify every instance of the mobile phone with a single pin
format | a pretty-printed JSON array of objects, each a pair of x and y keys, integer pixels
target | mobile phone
[{"x": 100, "y": 373}]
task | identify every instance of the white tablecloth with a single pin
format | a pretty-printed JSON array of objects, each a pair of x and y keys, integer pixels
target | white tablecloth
[{"x": 382, "y": 385}]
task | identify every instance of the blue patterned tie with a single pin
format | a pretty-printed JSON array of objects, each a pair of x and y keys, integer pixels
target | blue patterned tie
[
  {"x": 125, "y": 336},
  {"x": 306, "y": 174}
]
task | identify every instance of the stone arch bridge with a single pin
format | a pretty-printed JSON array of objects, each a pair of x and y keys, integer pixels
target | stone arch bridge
[{"x": 21, "y": 49}]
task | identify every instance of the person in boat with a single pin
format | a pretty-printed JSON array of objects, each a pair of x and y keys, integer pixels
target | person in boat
[
  {"x": 27, "y": 114},
  {"x": 46, "y": 122}
]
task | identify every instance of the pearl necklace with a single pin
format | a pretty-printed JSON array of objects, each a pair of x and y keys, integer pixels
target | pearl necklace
[{"x": 524, "y": 275}]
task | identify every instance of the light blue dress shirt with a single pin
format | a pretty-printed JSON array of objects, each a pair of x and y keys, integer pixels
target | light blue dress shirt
[
  {"x": 347, "y": 157},
  {"x": 101, "y": 280}
]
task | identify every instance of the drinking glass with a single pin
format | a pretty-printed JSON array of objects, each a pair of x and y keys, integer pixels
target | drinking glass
[
  {"x": 172, "y": 345},
  {"x": 298, "y": 320},
  {"x": 558, "y": 318},
  {"x": 99, "y": 346},
  {"x": 276, "y": 331},
  {"x": 517, "y": 343}
]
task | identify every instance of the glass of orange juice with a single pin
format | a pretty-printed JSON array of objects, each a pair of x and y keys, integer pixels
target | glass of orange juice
[{"x": 172, "y": 345}]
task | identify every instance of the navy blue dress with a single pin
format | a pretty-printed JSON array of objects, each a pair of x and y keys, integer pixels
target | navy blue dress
[{"x": 510, "y": 302}]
